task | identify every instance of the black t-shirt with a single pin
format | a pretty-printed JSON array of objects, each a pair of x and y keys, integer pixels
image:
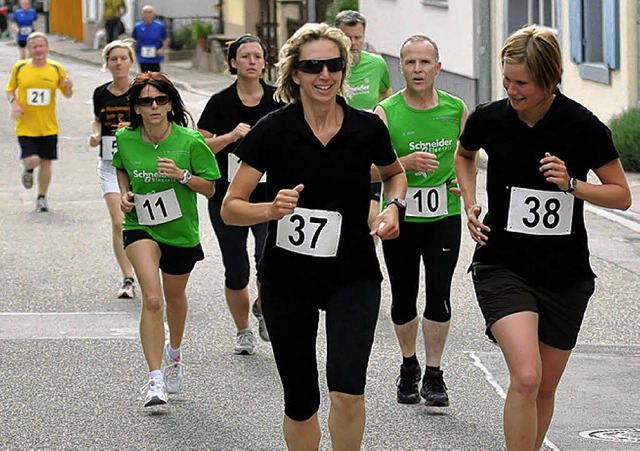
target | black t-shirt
[
  {"x": 223, "y": 112},
  {"x": 336, "y": 178},
  {"x": 568, "y": 131},
  {"x": 109, "y": 109}
]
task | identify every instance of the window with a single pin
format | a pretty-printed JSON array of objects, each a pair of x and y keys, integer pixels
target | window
[
  {"x": 595, "y": 36},
  {"x": 528, "y": 12}
]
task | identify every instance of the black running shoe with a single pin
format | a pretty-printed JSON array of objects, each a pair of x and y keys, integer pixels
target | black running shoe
[
  {"x": 407, "y": 384},
  {"x": 434, "y": 390}
]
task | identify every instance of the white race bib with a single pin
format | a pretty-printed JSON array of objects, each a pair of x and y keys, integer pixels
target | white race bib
[
  {"x": 536, "y": 212},
  {"x": 234, "y": 164},
  {"x": 109, "y": 147},
  {"x": 24, "y": 31},
  {"x": 310, "y": 232},
  {"x": 427, "y": 202},
  {"x": 38, "y": 97},
  {"x": 157, "y": 208},
  {"x": 148, "y": 51}
]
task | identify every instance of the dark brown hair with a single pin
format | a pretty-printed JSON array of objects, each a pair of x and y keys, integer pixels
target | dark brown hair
[{"x": 161, "y": 82}]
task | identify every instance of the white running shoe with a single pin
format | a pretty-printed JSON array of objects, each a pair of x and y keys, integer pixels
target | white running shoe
[
  {"x": 41, "y": 205},
  {"x": 128, "y": 290},
  {"x": 262, "y": 325},
  {"x": 245, "y": 342},
  {"x": 27, "y": 179},
  {"x": 156, "y": 393},
  {"x": 173, "y": 371}
]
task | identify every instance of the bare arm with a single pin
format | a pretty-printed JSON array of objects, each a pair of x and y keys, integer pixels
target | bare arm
[
  {"x": 14, "y": 103},
  {"x": 387, "y": 223},
  {"x": 167, "y": 168},
  {"x": 96, "y": 133},
  {"x": 126, "y": 196},
  {"x": 217, "y": 143},
  {"x": 614, "y": 191},
  {"x": 466, "y": 164},
  {"x": 237, "y": 210},
  {"x": 385, "y": 94}
]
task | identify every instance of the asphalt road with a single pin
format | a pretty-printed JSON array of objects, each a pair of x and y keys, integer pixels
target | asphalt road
[{"x": 72, "y": 365}]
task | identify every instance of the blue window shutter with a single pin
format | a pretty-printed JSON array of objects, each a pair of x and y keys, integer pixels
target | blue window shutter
[
  {"x": 575, "y": 30},
  {"x": 611, "y": 28}
]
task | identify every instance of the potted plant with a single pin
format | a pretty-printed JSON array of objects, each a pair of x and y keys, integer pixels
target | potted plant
[{"x": 201, "y": 30}]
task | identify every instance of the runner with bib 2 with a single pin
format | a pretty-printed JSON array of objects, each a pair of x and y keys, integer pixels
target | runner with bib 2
[
  {"x": 319, "y": 255},
  {"x": 161, "y": 166},
  {"x": 531, "y": 269}
]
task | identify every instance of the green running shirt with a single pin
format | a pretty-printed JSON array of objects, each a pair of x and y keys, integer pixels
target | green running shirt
[
  {"x": 138, "y": 158},
  {"x": 436, "y": 131},
  {"x": 366, "y": 81}
]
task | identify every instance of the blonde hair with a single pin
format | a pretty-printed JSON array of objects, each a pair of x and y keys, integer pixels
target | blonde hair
[
  {"x": 37, "y": 34},
  {"x": 287, "y": 90},
  {"x": 125, "y": 44},
  {"x": 538, "y": 49}
]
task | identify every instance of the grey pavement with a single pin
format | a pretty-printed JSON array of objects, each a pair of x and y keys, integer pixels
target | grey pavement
[{"x": 72, "y": 363}]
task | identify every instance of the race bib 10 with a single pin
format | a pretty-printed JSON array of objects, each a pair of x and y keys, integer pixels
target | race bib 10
[{"x": 427, "y": 202}]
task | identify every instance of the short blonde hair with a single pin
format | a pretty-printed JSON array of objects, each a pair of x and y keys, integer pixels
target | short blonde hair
[
  {"x": 287, "y": 90},
  {"x": 538, "y": 49},
  {"x": 125, "y": 44},
  {"x": 37, "y": 34}
]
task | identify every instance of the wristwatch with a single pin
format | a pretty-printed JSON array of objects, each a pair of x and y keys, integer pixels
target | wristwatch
[
  {"x": 401, "y": 205},
  {"x": 573, "y": 185},
  {"x": 186, "y": 176}
]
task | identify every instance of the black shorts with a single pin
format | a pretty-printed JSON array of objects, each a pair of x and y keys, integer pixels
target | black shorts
[
  {"x": 292, "y": 320},
  {"x": 149, "y": 67},
  {"x": 376, "y": 190},
  {"x": 22, "y": 44},
  {"x": 174, "y": 260},
  {"x": 46, "y": 147},
  {"x": 501, "y": 292}
]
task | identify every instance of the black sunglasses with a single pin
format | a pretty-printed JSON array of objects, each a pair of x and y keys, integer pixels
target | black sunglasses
[
  {"x": 148, "y": 101},
  {"x": 315, "y": 66}
]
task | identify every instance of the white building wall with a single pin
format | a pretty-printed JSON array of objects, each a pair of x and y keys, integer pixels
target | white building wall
[{"x": 390, "y": 22}]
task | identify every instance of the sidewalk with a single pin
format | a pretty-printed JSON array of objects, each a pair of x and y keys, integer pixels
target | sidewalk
[{"x": 207, "y": 83}]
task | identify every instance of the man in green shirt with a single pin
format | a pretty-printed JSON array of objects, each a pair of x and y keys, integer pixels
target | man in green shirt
[{"x": 369, "y": 78}]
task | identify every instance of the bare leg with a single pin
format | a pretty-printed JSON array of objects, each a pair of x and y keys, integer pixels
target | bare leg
[
  {"x": 407, "y": 335},
  {"x": 302, "y": 435},
  {"x": 113, "y": 205},
  {"x": 517, "y": 335},
  {"x": 435, "y": 337},
  {"x": 177, "y": 307},
  {"x": 238, "y": 303},
  {"x": 144, "y": 255},
  {"x": 31, "y": 162},
  {"x": 346, "y": 421},
  {"x": 554, "y": 362}
]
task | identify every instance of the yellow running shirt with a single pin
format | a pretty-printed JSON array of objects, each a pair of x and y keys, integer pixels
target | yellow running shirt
[{"x": 36, "y": 87}]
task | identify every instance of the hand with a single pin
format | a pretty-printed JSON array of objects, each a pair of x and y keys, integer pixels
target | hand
[
  {"x": 240, "y": 131},
  {"x": 285, "y": 202},
  {"x": 94, "y": 140},
  {"x": 555, "y": 171},
  {"x": 68, "y": 83},
  {"x": 16, "y": 110},
  {"x": 162, "y": 51},
  {"x": 420, "y": 162},
  {"x": 476, "y": 228},
  {"x": 167, "y": 168},
  {"x": 386, "y": 225},
  {"x": 455, "y": 189},
  {"x": 126, "y": 202}
]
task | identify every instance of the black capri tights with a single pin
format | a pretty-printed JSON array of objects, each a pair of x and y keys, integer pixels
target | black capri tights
[
  {"x": 233, "y": 247},
  {"x": 292, "y": 317},
  {"x": 438, "y": 243}
]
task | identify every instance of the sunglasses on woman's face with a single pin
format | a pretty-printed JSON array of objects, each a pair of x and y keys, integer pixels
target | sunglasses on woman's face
[
  {"x": 148, "y": 101},
  {"x": 315, "y": 66}
]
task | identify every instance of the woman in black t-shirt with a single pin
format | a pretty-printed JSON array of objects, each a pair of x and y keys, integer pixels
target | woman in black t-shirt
[
  {"x": 319, "y": 255},
  {"x": 226, "y": 119},
  {"x": 111, "y": 113},
  {"x": 531, "y": 266}
]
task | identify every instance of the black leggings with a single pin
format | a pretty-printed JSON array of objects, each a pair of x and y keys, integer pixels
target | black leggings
[
  {"x": 233, "y": 247},
  {"x": 438, "y": 243},
  {"x": 292, "y": 317}
]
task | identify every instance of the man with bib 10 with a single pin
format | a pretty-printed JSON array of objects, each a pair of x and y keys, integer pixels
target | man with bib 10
[
  {"x": 161, "y": 165},
  {"x": 531, "y": 269},
  {"x": 34, "y": 109},
  {"x": 424, "y": 124}
]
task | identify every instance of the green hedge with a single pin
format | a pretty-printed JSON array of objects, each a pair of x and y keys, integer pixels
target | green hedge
[{"x": 625, "y": 129}]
